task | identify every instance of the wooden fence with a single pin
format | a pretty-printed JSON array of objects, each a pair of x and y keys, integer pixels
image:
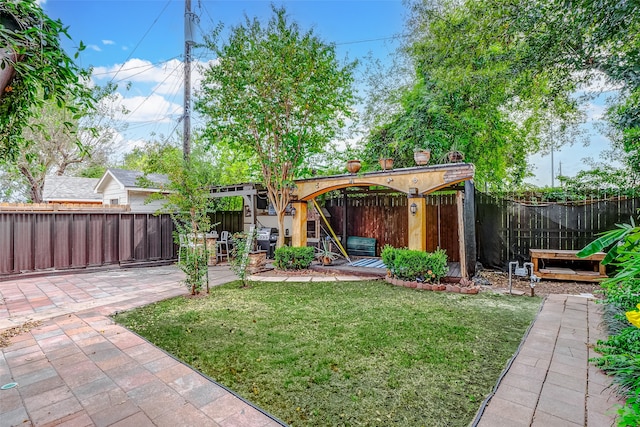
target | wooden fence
[
  {"x": 384, "y": 217},
  {"x": 506, "y": 229},
  {"x": 41, "y": 240}
]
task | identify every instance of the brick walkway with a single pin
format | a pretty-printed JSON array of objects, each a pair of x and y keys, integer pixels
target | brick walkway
[
  {"x": 551, "y": 382},
  {"x": 79, "y": 369}
]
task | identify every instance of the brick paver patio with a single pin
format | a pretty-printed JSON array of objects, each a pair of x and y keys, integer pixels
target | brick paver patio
[{"x": 80, "y": 369}]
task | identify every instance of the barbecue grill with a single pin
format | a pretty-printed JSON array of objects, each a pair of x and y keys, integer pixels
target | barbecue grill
[{"x": 266, "y": 239}]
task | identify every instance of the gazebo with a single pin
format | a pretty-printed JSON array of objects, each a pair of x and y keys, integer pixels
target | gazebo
[{"x": 416, "y": 183}]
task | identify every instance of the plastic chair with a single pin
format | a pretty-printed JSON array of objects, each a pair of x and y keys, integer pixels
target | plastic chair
[{"x": 223, "y": 243}]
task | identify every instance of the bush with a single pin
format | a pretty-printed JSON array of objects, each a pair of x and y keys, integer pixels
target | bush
[
  {"x": 408, "y": 264},
  {"x": 621, "y": 350},
  {"x": 294, "y": 258}
]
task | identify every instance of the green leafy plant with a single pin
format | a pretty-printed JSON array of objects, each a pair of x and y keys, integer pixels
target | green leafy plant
[
  {"x": 39, "y": 70},
  {"x": 629, "y": 414},
  {"x": 408, "y": 264},
  {"x": 621, "y": 351},
  {"x": 294, "y": 258},
  {"x": 388, "y": 256},
  {"x": 193, "y": 257},
  {"x": 325, "y": 253},
  {"x": 243, "y": 243},
  {"x": 187, "y": 200}
]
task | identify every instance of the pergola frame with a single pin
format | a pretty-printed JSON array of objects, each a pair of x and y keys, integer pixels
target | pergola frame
[{"x": 416, "y": 183}]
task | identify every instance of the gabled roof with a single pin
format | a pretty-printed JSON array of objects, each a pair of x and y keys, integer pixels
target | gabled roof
[
  {"x": 128, "y": 180},
  {"x": 70, "y": 189}
]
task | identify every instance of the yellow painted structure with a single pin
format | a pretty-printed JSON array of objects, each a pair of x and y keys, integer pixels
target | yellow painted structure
[{"x": 416, "y": 182}]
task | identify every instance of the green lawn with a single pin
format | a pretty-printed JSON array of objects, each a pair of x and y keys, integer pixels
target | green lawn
[{"x": 340, "y": 353}]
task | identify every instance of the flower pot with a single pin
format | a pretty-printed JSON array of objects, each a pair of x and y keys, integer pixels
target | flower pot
[
  {"x": 422, "y": 157},
  {"x": 386, "y": 164},
  {"x": 326, "y": 260},
  {"x": 353, "y": 166}
]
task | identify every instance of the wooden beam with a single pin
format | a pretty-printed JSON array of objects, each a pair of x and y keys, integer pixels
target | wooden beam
[
  {"x": 469, "y": 223},
  {"x": 461, "y": 234},
  {"x": 417, "y": 223},
  {"x": 299, "y": 224}
]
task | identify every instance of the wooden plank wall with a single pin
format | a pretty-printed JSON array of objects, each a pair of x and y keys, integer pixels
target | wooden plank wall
[{"x": 384, "y": 217}]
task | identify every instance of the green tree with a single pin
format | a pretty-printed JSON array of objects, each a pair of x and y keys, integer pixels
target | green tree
[
  {"x": 57, "y": 142},
  {"x": 33, "y": 69},
  {"x": 474, "y": 92},
  {"x": 279, "y": 93},
  {"x": 189, "y": 203}
]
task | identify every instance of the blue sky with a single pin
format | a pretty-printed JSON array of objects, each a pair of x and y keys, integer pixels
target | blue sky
[{"x": 141, "y": 43}]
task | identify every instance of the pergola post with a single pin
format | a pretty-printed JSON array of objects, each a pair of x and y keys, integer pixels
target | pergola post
[
  {"x": 299, "y": 224},
  {"x": 417, "y": 224}
]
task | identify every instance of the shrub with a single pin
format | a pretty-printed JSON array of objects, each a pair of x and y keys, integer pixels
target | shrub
[
  {"x": 294, "y": 258},
  {"x": 388, "y": 256},
  {"x": 408, "y": 264},
  {"x": 621, "y": 351}
]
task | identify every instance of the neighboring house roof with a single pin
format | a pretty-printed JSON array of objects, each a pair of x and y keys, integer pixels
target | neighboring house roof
[
  {"x": 70, "y": 189},
  {"x": 128, "y": 180}
]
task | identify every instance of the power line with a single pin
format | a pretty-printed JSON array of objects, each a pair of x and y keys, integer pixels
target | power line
[
  {"x": 146, "y": 66},
  {"x": 399, "y": 36},
  {"x": 142, "y": 39}
]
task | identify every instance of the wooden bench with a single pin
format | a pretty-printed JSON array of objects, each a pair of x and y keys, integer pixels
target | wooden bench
[{"x": 539, "y": 256}]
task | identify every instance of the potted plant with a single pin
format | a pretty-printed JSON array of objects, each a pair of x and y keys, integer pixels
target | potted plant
[
  {"x": 353, "y": 166},
  {"x": 386, "y": 163},
  {"x": 325, "y": 255},
  {"x": 421, "y": 156},
  {"x": 455, "y": 156}
]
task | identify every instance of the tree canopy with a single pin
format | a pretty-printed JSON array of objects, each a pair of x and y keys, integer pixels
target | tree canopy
[
  {"x": 476, "y": 91},
  {"x": 278, "y": 92}
]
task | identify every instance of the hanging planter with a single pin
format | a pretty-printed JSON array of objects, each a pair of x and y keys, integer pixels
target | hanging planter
[
  {"x": 422, "y": 156},
  {"x": 455, "y": 156}
]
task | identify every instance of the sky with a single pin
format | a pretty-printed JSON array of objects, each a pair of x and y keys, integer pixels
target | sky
[{"x": 139, "y": 44}]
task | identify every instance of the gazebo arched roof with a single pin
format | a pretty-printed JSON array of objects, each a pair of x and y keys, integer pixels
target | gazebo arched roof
[{"x": 412, "y": 181}]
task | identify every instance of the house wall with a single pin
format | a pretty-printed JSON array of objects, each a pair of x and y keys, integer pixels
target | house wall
[
  {"x": 137, "y": 199},
  {"x": 113, "y": 191}
]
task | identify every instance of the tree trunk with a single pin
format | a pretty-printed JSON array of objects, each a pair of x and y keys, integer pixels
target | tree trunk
[{"x": 280, "y": 242}]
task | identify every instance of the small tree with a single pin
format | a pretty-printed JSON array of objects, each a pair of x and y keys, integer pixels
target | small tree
[
  {"x": 189, "y": 205},
  {"x": 277, "y": 92},
  {"x": 242, "y": 245}
]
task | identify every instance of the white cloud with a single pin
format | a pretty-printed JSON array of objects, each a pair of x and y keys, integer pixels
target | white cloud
[
  {"x": 94, "y": 47},
  {"x": 148, "y": 109},
  {"x": 108, "y": 42},
  {"x": 594, "y": 111}
]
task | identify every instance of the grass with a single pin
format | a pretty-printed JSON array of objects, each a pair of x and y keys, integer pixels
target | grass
[{"x": 340, "y": 353}]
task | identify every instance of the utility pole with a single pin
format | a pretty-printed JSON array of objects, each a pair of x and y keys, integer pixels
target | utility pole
[
  {"x": 188, "y": 42},
  {"x": 552, "y": 166}
]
